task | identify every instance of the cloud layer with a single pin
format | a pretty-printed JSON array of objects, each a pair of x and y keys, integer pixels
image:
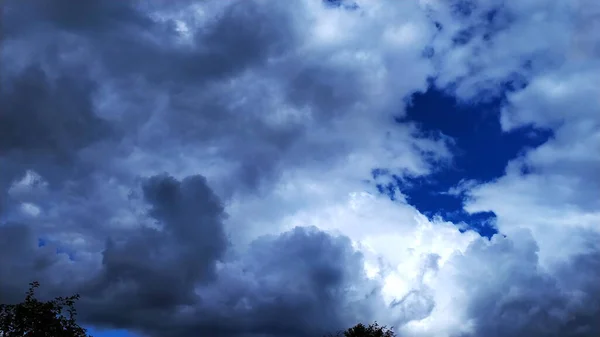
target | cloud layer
[{"x": 204, "y": 168}]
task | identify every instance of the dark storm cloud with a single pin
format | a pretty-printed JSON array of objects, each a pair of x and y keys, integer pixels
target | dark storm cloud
[
  {"x": 301, "y": 283},
  {"x": 23, "y": 260},
  {"x": 155, "y": 270},
  {"x": 127, "y": 42},
  {"x": 130, "y": 40},
  {"x": 94, "y": 15},
  {"x": 146, "y": 272},
  {"x": 47, "y": 117},
  {"x": 243, "y": 36},
  {"x": 163, "y": 281},
  {"x": 521, "y": 299},
  {"x": 45, "y": 121},
  {"x": 312, "y": 276}
]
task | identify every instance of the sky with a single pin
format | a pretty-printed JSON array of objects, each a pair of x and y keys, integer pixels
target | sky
[{"x": 262, "y": 168}]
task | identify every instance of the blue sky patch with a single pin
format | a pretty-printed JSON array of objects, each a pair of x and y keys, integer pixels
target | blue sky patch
[{"x": 481, "y": 152}]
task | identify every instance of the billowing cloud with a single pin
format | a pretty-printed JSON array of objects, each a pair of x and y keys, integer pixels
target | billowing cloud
[
  {"x": 204, "y": 167},
  {"x": 157, "y": 267}
]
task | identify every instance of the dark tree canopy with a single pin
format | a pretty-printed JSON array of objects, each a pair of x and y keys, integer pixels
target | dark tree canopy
[
  {"x": 35, "y": 318},
  {"x": 371, "y": 330}
]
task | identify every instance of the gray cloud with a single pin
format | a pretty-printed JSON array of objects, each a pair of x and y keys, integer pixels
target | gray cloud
[
  {"x": 165, "y": 278},
  {"x": 45, "y": 123},
  {"x": 301, "y": 283},
  {"x": 153, "y": 270},
  {"x": 136, "y": 40},
  {"x": 43, "y": 116},
  {"x": 522, "y": 298},
  {"x": 129, "y": 44},
  {"x": 21, "y": 260}
]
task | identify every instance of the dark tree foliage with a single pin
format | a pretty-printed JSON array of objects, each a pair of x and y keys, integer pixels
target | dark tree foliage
[
  {"x": 34, "y": 318},
  {"x": 361, "y": 330}
]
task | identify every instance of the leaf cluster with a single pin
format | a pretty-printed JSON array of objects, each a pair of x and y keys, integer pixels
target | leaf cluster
[
  {"x": 35, "y": 318},
  {"x": 371, "y": 330}
]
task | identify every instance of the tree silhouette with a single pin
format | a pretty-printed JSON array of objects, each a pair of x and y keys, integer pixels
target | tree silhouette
[
  {"x": 35, "y": 318},
  {"x": 371, "y": 330}
]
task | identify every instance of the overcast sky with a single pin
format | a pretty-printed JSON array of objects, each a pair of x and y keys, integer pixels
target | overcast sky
[{"x": 288, "y": 168}]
